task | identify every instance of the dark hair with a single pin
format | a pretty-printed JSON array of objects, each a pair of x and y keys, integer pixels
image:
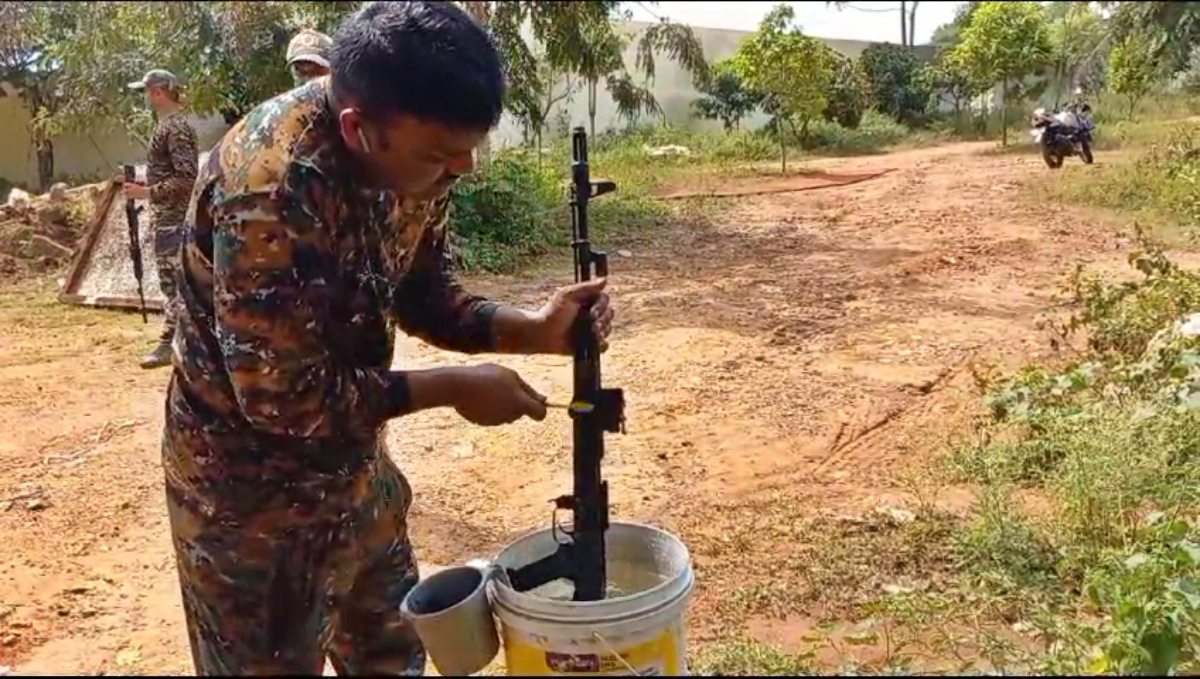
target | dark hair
[{"x": 430, "y": 60}]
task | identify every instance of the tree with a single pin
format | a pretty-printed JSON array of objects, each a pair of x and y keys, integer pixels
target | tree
[
  {"x": 793, "y": 71},
  {"x": 1169, "y": 29},
  {"x": 848, "y": 95},
  {"x": 726, "y": 98},
  {"x": 555, "y": 86},
  {"x": 1076, "y": 33},
  {"x": 947, "y": 36},
  {"x": 892, "y": 74},
  {"x": 951, "y": 79},
  {"x": 31, "y": 30},
  {"x": 228, "y": 55},
  {"x": 1188, "y": 79},
  {"x": 1004, "y": 41},
  {"x": 1132, "y": 67},
  {"x": 580, "y": 38}
]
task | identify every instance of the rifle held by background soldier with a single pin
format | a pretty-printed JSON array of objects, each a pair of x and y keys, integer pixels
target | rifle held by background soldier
[{"x": 135, "y": 243}]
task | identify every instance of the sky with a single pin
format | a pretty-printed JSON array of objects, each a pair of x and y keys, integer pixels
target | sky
[{"x": 862, "y": 20}]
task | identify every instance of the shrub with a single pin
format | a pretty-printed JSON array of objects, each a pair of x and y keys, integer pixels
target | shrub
[
  {"x": 848, "y": 96},
  {"x": 874, "y": 134},
  {"x": 515, "y": 209}
]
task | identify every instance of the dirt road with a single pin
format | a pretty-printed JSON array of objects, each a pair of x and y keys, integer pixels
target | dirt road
[{"x": 788, "y": 359}]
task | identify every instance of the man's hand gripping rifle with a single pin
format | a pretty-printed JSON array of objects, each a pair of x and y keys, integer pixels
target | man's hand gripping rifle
[
  {"x": 594, "y": 411},
  {"x": 135, "y": 244}
]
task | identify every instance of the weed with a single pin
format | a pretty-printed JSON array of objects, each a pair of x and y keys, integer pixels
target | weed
[
  {"x": 749, "y": 658},
  {"x": 1103, "y": 571}
]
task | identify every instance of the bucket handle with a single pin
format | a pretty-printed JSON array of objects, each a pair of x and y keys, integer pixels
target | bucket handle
[
  {"x": 491, "y": 570},
  {"x": 612, "y": 651}
]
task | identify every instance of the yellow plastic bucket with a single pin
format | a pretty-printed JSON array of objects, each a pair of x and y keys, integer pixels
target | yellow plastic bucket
[{"x": 639, "y": 630}]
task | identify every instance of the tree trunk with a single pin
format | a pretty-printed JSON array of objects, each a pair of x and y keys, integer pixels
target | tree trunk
[
  {"x": 45, "y": 161},
  {"x": 782, "y": 143},
  {"x": 1004, "y": 113},
  {"x": 481, "y": 12},
  {"x": 912, "y": 24},
  {"x": 903, "y": 23},
  {"x": 592, "y": 108}
]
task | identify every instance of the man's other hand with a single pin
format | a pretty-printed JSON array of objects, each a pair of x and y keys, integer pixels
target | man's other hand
[
  {"x": 137, "y": 191},
  {"x": 489, "y": 395},
  {"x": 556, "y": 318}
]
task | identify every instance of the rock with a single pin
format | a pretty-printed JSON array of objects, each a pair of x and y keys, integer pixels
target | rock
[
  {"x": 898, "y": 515},
  {"x": 5, "y": 506},
  {"x": 36, "y": 505},
  {"x": 10, "y": 640},
  {"x": 624, "y": 253}
]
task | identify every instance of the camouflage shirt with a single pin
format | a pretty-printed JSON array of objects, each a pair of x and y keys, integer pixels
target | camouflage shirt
[
  {"x": 294, "y": 276},
  {"x": 171, "y": 168}
]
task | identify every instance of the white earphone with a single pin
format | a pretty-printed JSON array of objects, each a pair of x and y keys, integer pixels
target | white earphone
[{"x": 362, "y": 139}]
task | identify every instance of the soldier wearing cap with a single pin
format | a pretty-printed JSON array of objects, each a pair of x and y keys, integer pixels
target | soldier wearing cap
[
  {"x": 308, "y": 55},
  {"x": 170, "y": 174}
]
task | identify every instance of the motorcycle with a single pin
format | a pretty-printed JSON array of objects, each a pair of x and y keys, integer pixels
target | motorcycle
[{"x": 1064, "y": 133}]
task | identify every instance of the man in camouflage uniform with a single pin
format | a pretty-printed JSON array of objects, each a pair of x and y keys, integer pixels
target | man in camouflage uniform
[
  {"x": 170, "y": 175},
  {"x": 318, "y": 225},
  {"x": 308, "y": 55}
]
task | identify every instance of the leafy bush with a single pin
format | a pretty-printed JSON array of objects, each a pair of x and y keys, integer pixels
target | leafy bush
[
  {"x": 874, "y": 134},
  {"x": 513, "y": 210},
  {"x": 897, "y": 87},
  {"x": 726, "y": 98},
  {"x": 848, "y": 97}
]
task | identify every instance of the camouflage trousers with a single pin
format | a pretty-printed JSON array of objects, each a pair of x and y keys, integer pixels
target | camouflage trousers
[
  {"x": 168, "y": 240},
  {"x": 276, "y": 591}
]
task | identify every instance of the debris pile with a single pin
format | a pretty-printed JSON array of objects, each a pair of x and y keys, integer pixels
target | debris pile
[{"x": 41, "y": 233}]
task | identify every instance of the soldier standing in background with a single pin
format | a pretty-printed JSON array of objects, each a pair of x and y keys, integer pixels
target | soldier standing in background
[
  {"x": 170, "y": 174},
  {"x": 308, "y": 55}
]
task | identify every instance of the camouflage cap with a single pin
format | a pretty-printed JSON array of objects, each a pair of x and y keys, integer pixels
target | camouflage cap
[
  {"x": 156, "y": 78},
  {"x": 310, "y": 45}
]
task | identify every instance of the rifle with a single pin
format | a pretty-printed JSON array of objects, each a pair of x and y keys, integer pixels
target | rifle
[
  {"x": 135, "y": 244},
  {"x": 594, "y": 411}
]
